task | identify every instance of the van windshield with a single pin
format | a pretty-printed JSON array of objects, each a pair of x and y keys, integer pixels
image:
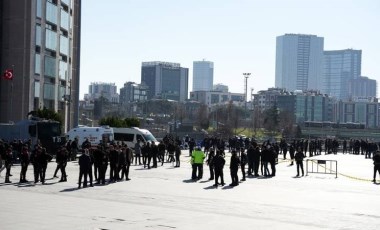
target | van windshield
[{"x": 149, "y": 137}]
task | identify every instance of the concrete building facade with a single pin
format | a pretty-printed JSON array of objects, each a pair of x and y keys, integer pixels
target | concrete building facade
[
  {"x": 203, "y": 75},
  {"x": 40, "y": 42}
]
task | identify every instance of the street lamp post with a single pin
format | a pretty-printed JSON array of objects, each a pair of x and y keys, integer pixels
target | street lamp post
[{"x": 246, "y": 76}]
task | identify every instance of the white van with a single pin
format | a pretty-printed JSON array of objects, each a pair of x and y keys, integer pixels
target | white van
[
  {"x": 130, "y": 136},
  {"x": 94, "y": 134}
]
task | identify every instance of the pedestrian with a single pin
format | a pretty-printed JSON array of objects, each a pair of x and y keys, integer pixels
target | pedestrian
[
  {"x": 234, "y": 167},
  {"x": 218, "y": 163},
  {"x": 84, "y": 168},
  {"x": 8, "y": 160},
  {"x": 243, "y": 162},
  {"x": 24, "y": 161},
  {"x": 154, "y": 151},
  {"x": 74, "y": 149},
  {"x": 210, "y": 163},
  {"x": 137, "y": 152},
  {"x": 376, "y": 165},
  {"x": 61, "y": 160},
  {"x": 299, "y": 161},
  {"x": 197, "y": 159},
  {"x": 114, "y": 160},
  {"x": 177, "y": 156},
  {"x": 44, "y": 160}
]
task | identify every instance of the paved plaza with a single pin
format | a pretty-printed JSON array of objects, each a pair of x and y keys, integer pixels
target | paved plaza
[{"x": 166, "y": 198}]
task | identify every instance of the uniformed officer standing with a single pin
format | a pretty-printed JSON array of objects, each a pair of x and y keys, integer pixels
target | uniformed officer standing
[
  {"x": 218, "y": 163},
  {"x": 197, "y": 159},
  {"x": 243, "y": 162},
  {"x": 234, "y": 167},
  {"x": 210, "y": 163},
  {"x": 84, "y": 168},
  {"x": 376, "y": 165},
  {"x": 24, "y": 160},
  {"x": 8, "y": 158},
  {"x": 299, "y": 161}
]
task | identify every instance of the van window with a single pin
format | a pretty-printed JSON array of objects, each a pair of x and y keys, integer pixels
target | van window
[
  {"x": 139, "y": 137},
  {"x": 124, "y": 137}
]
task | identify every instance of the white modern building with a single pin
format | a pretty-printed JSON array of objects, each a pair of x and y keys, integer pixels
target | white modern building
[
  {"x": 299, "y": 60},
  {"x": 203, "y": 75}
]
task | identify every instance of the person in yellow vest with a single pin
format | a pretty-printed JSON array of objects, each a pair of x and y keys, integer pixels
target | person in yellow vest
[{"x": 197, "y": 158}]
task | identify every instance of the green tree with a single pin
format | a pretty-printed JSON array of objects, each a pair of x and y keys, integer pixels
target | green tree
[
  {"x": 132, "y": 122},
  {"x": 49, "y": 114},
  {"x": 271, "y": 119},
  {"x": 119, "y": 122}
]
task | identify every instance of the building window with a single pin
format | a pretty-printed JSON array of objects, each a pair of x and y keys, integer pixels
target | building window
[
  {"x": 39, "y": 8},
  {"x": 48, "y": 91},
  {"x": 51, "y": 40},
  {"x": 64, "y": 45},
  {"x": 37, "y": 64},
  {"x": 62, "y": 70},
  {"x": 51, "y": 13},
  {"x": 65, "y": 19},
  {"x": 50, "y": 66},
  {"x": 38, "y": 35},
  {"x": 62, "y": 93},
  {"x": 36, "y": 89}
]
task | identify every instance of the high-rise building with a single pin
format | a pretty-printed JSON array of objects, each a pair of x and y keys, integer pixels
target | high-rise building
[
  {"x": 165, "y": 80},
  {"x": 299, "y": 62},
  {"x": 101, "y": 89},
  {"x": 339, "y": 67},
  {"x": 40, "y": 42},
  {"x": 362, "y": 87},
  {"x": 132, "y": 92},
  {"x": 203, "y": 75}
]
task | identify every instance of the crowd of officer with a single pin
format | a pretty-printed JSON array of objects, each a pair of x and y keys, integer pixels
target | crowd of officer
[{"x": 247, "y": 155}]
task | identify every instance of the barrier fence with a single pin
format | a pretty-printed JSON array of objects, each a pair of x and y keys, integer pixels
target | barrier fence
[{"x": 322, "y": 167}]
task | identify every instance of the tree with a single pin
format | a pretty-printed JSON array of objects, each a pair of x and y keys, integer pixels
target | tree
[
  {"x": 49, "y": 114},
  {"x": 271, "y": 119},
  {"x": 119, "y": 122},
  {"x": 203, "y": 120},
  {"x": 286, "y": 123}
]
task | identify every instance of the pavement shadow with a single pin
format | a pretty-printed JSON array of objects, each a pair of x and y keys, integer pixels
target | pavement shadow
[
  {"x": 264, "y": 177},
  {"x": 69, "y": 189},
  {"x": 189, "y": 181},
  {"x": 205, "y": 181},
  {"x": 211, "y": 187},
  {"x": 228, "y": 187}
]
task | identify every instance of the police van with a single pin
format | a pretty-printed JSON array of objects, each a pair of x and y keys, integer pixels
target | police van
[
  {"x": 130, "y": 136},
  {"x": 94, "y": 134}
]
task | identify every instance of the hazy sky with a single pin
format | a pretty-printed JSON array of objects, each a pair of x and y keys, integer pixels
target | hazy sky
[{"x": 237, "y": 35}]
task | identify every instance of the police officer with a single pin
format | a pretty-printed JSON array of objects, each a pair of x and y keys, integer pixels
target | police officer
[
  {"x": 8, "y": 158},
  {"x": 243, "y": 162},
  {"x": 84, "y": 168},
  {"x": 114, "y": 160},
  {"x": 218, "y": 163},
  {"x": 24, "y": 160},
  {"x": 197, "y": 159},
  {"x": 234, "y": 167},
  {"x": 376, "y": 165},
  {"x": 299, "y": 161},
  {"x": 177, "y": 155},
  {"x": 210, "y": 163}
]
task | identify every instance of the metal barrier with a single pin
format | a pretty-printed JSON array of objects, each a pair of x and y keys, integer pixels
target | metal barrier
[{"x": 326, "y": 166}]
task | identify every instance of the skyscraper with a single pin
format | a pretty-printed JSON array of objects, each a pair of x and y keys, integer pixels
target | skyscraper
[
  {"x": 40, "y": 42},
  {"x": 339, "y": 67},
  {"x": 299, "y": 62},
  {"x": 165, "y": 80},
  {"x": 203, "y": 75}
]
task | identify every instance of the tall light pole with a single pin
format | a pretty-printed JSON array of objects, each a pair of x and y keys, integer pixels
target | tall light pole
[{"x": 246, "y": 76}]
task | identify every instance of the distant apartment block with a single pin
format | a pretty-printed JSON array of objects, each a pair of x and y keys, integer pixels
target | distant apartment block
[
  {"x": 203, "y": 75},
  {"x": 101, "y": 89},
  {"x": 299, "y": 62},
  {"x": 165, "y": 80}
]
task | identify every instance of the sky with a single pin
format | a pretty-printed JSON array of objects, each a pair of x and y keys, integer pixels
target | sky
[{"x": 239, "y": 36}]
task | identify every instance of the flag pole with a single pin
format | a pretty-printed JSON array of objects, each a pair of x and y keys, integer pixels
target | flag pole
[{"x": 11, "y": 110}]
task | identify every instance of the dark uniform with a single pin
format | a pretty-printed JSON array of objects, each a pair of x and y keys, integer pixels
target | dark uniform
[
  {"x": 218, "y": 163},
  {"x": 376, "y": 165},
  {"x": 210, "y": 163},
  {"x": 299, "y": 161},
  {"x": 114, "y": 161},
  {"x": 234, "y": 167},
  {"x": 8, "y": 159},
  {"x": 24, "y": 160},
  {"x": 243, "y": 162},
  {"x": 84, "y": 168}
]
